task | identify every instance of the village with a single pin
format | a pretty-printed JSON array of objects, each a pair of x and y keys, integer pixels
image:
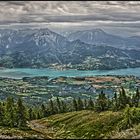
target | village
[{"x": 37, "y": 90}]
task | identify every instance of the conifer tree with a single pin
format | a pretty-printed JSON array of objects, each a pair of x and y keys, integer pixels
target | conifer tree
[
  {"x": 109, "y": 103},
  {"x": 43, "y": 111},
  {"x": 58, "y": 105},
  {"x": 38, "y": 115},
  {"x": 101, "y": 102},
  {"x": 34, "y": 115},
  {"x": 123, "y": 99},
  {"x": 90, "y": 104},
  {"x": 136, "y": 98},
  {"x": 30, "y": 113},
  {"x": 21, "y": 114},
  {"x": 9, "y": 112},
  {"x": 85, "y": 104},
  {"x": 75, "y": 106},
  {"x": 115, "y": 102},
  {"x": 80, "y": 104},
  {"x": 63, "y": 106},
  {"x": 51, "y": 107},
  {"x": 1, "y": 114}
]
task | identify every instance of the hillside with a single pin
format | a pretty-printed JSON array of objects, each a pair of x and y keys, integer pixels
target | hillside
[
  {"x": 40, "y": 48},
  {"x": 15, "y": 133},
  {"x": 85, "y": 125},
  {"x": 118, "y": 117},
  {"x": 81, "y": 124},
  {"x": 74, "y": 125},
  {"x": 100, "y": 37}
]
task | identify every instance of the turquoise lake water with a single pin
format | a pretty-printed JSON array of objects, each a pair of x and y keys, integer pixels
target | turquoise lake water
[{"x": 18, "y": 73}]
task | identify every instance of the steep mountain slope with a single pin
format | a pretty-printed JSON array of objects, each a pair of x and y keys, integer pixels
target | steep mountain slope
[
  {"x": 17, "y": 40},
  {"x": 99, "y": 37},
  {"x": 26, "y": 46},
  {"x": 42, "y": 47},
  {"x": 100, "y": 57}
]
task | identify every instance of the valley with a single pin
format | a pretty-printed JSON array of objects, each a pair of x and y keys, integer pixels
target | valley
[
  {"x": 85, "y": 85},
  {"x": 40, "y": 89},
  {"x": 69, "y": 70}
]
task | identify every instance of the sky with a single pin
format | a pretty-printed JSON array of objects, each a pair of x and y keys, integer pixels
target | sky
[{"x": 116, "y": 17}]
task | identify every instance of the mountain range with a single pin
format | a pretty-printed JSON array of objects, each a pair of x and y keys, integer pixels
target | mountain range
[
  {"x": 89, "y": 49},
  {"x": 99, "y": 37}
]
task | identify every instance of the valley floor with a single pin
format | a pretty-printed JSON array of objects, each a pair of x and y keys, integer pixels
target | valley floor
[{"x": 37, "y": 90}]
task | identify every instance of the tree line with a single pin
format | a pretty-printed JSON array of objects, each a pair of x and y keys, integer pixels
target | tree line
[{"x": 17, "y": 114}]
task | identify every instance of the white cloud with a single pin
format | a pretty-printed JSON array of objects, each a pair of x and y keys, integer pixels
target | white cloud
[{"x": 77, "y": 14}]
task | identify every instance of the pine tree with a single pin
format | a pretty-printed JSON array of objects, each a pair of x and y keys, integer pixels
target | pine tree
[
  {"x": 34, "y": 115},
  {"x": 43, "y": 111},
  {"x": 101, "y": 102},
  {"x": 38, "y": 115},
  {"x": 80, "y": 104},
  {"x": 21, "y": 114},
  {"x": 9, "y": 112},
  {"x": 136, "y": 98},
  {"x": 85, "y": 104},
  {"x": 75, "y": 106},
  {"x": 1, "y": 114},
  {"x": 90, "y": 104},
  {"x": 30, "y": 113},
  {"x": 59, "y": 105},
  {"x": 115, "y": 102},
  {"x": 51, "y": 107},
  {"x": 63, "y": 106},
  {"x": 123, "y": 99},
  {"x": 109, "y": 103}
]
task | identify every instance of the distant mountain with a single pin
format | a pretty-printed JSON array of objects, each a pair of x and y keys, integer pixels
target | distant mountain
[
  {"x": 43, "y": 47},
  {"x": 100, "y": 57},
  {"x": 99, "y": 37},
  {"x": 133, "y": 41},
  {"x": 19, "y": 40}
]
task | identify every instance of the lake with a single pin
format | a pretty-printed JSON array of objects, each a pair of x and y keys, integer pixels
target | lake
[{"x": 19, "y": 73}]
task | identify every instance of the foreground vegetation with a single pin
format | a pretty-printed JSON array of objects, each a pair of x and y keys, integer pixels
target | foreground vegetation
[
  {"x": 103, "y": 117},
  {"x": 15, "y": 133},
  {"x": 89, "y": 125},
  {"x": 79, "y": 124}
]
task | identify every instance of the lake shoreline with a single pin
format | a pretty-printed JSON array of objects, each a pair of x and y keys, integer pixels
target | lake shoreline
[{"x": 19, "y": 73}]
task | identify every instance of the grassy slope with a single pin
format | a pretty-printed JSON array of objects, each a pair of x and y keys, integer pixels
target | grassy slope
[
  {"x": 15, "y": 133},
  {"x": 80, "y": 124}
]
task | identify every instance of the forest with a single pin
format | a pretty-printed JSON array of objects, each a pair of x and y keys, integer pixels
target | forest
[{"x": 17, "y": 114}]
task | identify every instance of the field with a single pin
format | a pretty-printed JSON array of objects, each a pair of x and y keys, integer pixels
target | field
[{"x": 38, "y": 90}]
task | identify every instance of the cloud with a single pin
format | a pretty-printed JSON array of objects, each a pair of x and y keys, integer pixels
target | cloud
[{"x": 107, "y": 14}]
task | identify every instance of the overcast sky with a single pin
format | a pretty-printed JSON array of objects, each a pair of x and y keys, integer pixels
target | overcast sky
[{"x": 117, "y": 17}]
